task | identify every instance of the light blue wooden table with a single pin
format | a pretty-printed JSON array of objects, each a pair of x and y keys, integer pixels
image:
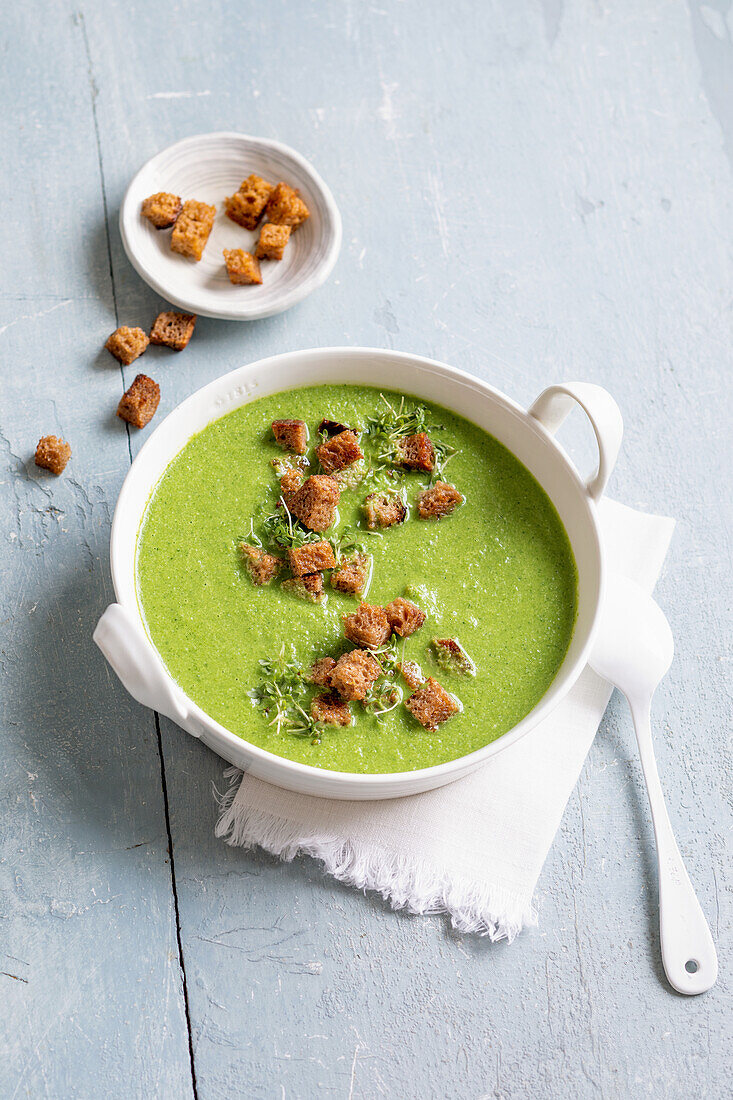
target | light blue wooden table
[{"x": 532, "y": 191}]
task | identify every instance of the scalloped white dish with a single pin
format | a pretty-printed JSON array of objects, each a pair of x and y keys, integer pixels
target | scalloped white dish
[{"x": 208, "y": 167}]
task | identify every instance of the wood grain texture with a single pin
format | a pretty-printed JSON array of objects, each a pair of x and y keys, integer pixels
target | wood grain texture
[{"x": 533, "y": 192}]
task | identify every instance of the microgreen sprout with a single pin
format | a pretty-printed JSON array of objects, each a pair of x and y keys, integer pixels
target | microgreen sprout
[{"x": 279, "y": 695}]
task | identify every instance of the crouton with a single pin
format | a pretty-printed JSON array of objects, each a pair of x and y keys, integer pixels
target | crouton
[
  {"x": 412, "y": 674},
  {"x": 283, "y": 463},
  {"x": 333, "y": 427},
  {"x": 313, "y": 557},
  {"x": 404, "y": 617},
  {"x": 309, "y": 587},
  {"x": 416, "y": 452},
  {"x": 162, "y": 209},
  {"x": 273, "y": 239},
  {"x": 173, "y": 330},
  {"x": 451, "y": 656},
  {"x": 139, "y": 403},
  {"x": 315, "y": 502},
  {"x": 52, "y": 453},
  {"x": 261, "y": 566},
  {"x": 340, "y": 451},
  {"x": 246, "y": 205},
  {"x": 290, "y": 482},
  {"x": 243, "y": 268},
  {"x": 352, "y": 574},
  {"x": 384, "y": 509},
  {"x": 331, "y": 709},
  {"x": 431, "y": 704},
  {"x": 351, "y": 476},
  {"x": 285, "y": 207},
  {"x": 354, "y": 674},
  {"x": 438, "y": 501},
  {"x": 291, "y": 435},
  {"x": 192, "y": 229},
  {"x": 126, "y": 344},
  {"x": 368, "y": 626},
  {"x": 320, "y": 672}
]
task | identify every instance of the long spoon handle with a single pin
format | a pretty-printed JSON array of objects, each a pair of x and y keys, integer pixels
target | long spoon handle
[{"x": 688, "y": 952}]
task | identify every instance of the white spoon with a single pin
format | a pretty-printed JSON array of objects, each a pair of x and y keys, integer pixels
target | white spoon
[{"x": 633, "y": 652}]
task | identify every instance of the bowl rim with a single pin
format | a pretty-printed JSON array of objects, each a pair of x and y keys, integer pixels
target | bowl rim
[
  {"x": 288, "y": 299},
  {"x": 559, "y": 687}
]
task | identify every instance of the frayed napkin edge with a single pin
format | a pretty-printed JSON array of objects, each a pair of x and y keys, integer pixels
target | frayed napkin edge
[{"x": 421, "y": 890}]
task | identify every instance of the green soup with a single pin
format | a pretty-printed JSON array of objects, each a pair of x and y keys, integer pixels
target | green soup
[{"x": 498, "y": 575}]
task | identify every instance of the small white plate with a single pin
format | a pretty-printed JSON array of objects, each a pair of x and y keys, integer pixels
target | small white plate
[{"x": 209, "y": 167}]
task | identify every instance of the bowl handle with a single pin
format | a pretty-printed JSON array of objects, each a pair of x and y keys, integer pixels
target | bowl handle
[
  {"x": 553, "y": 405},
  {"x": 127, "y": 649}
]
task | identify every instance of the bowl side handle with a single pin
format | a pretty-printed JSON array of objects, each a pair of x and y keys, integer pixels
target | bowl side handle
[
  {"x": 127, "y": 649},
  {"x": 552, "y": 407}
]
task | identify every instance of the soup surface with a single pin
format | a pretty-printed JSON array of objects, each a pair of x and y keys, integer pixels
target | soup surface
[{"x": 497, "y": 575}]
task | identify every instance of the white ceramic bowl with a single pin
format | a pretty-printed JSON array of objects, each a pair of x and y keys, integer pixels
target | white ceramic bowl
[
  {"x": 121, "y": 634},
  {"x": 209, "y": 167}
]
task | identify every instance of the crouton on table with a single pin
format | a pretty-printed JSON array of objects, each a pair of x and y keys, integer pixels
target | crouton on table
[
  {"x": 126, "y": 344},
  {"x": 431, "y": 705},
  {"x": 352, "y": 574},
  {"x": 320, "y": 672},
  {"x": 246, "y": 205},
  {"x": 331, "y": 709},
  {"x": 173, "y": 330},
  {"x": 52, "y": 453},
  {"x": 261, "y": 566},
  {"x": 384, "y": 509},
  {"x": 416, "y": 452},
  {"x": 450, "y": 655},
  {"x": 291, "y": 435},
  {"x": 340, "y": 451},
  {"x": 404, "y": 617},
  {"x": 368, "y": 626},
  {"x": 313, "y": 557},
  {"x": 285, "y": 207},
  {"x": 273, "y": 239},
  {"x": 139, "y": 403},
  {"x": 354, "y": 674},
  {"x": 192, "y": 229},
  {"x": 162, "y": 209},
  {"x": 315, "y": 502},
  {"x": 438, "y": 501},
  {"x": 309, "y": 587},
  {"x": 243, "y": 268}
]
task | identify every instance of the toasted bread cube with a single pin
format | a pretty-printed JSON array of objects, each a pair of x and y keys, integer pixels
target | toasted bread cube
[
  {"x": 340, "y": 451},
  {"x": 331, "y": 709},
  {"x": 173, "y": 330},
  {"x": 451, "y": 656},
  {"x": 273, "y": 239},
  {"x": 384, "y": 509},
  {"x": 334, "y": 427},
  {"x": 352, "y": 574},
  {"x": 243, "y": 268},
  {"x": 290, "y": 482},
  {"x": 416, "y": 452},
  {"x": 52, "y": 453},
  {"x": 354, "y": 674},
  {"x": 285, "y": 207},
  {"x": 291, "y": 435},
  {"x": 320, "y": 672},
  {"x": 411, "y": 673},
  {"x": 439, "y": 501},
  {"x": 139, "y": 403},
  {"x": 404, "y": 617},
  {"x": 261, "y": 566},
  {"x": 431, "y": 704},
  {"x": 162, "y": 209},
  {"x": 246, "y": 205},
  {"x": 309, "y": 587},
  {"x": 368, "y": 626},
  {"x": 315, "y": 502},
  {"x": 192, "y": 229},
  {"x": 314, "y": 557},
  {"x": 127, "y": 344}
]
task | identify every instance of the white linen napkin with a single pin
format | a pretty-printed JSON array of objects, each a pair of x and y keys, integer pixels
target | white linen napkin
[{"x": 473, "y": 849}]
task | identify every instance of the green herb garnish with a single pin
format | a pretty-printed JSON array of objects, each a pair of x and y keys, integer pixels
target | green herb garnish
[
  {"x": 279, "y": 692},
  {"x": 283, "y": 530}
]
